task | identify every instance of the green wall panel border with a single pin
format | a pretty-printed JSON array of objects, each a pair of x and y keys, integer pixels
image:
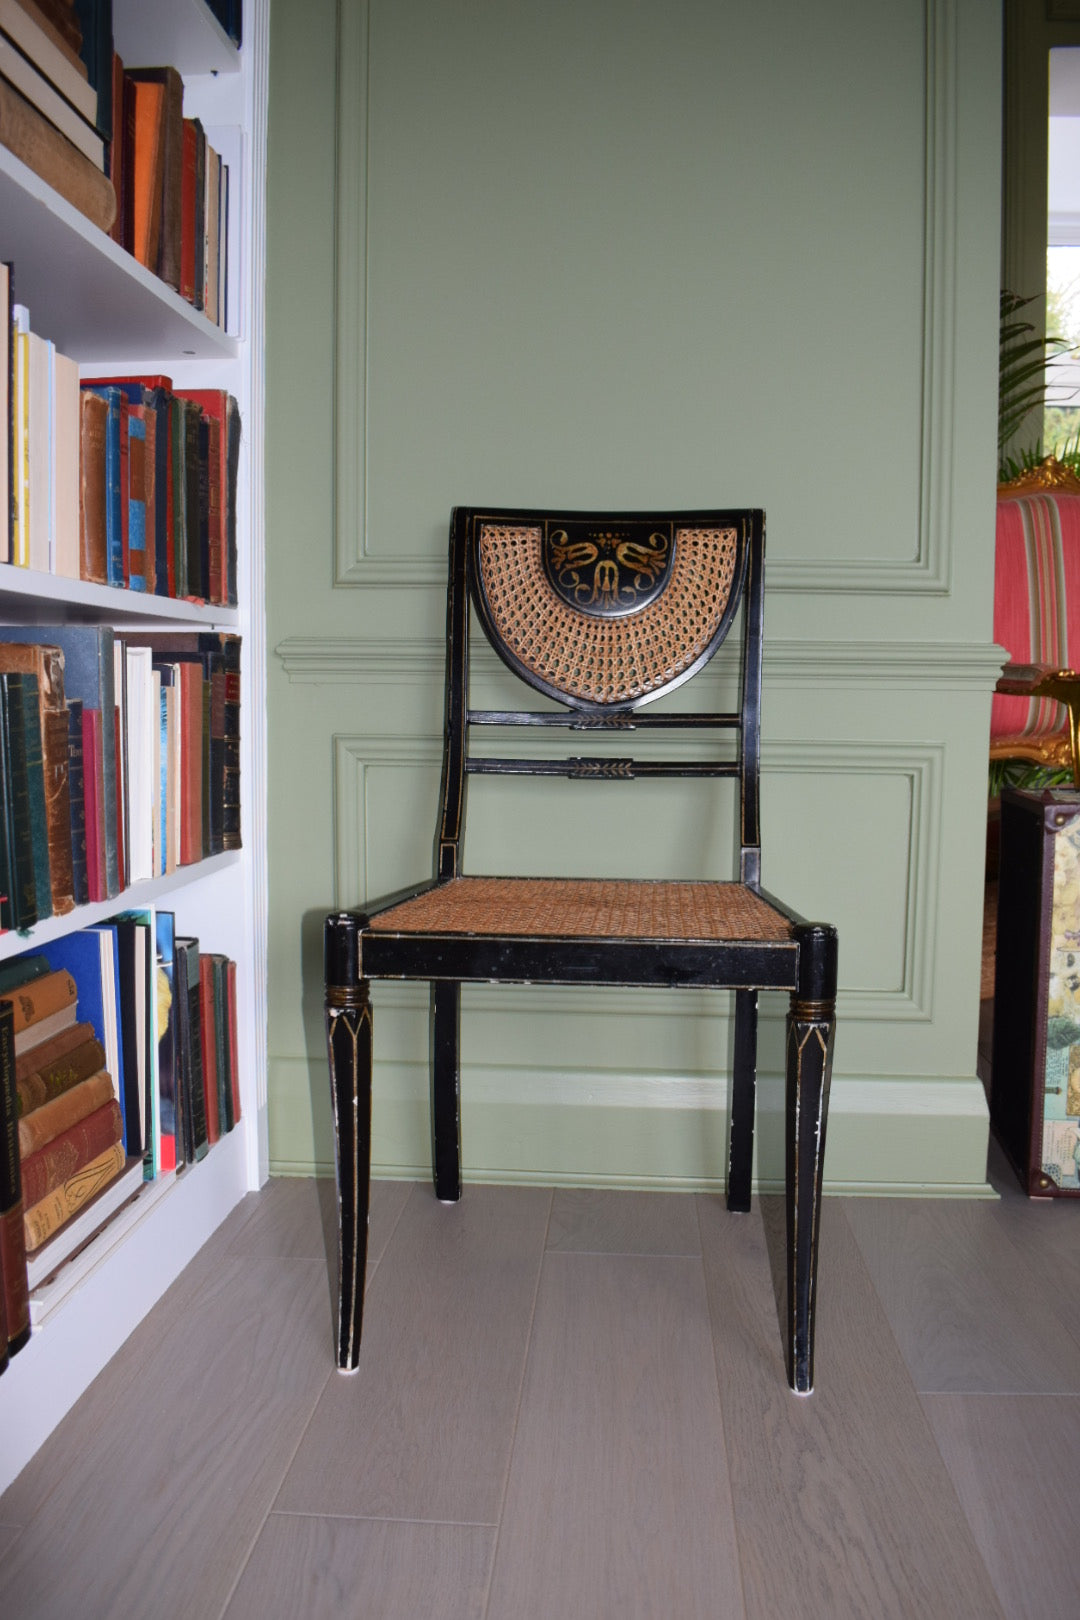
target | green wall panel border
[
  {"x": 918, "y": 766},
  {"x": 927, "y": 571}
]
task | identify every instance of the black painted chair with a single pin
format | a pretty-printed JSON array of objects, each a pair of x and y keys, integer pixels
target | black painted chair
[{"x": 602, "y": 613}]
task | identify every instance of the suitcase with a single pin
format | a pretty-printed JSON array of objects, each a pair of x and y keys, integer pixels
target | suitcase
[{"x": 1035, "y": 1074}]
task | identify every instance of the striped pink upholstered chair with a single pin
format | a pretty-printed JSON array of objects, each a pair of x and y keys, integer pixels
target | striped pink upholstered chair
[{"x": 1037, "y": 616}]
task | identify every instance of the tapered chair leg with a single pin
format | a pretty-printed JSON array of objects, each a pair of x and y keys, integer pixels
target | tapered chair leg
[
  {"x": 743, "y": 1086},
  {"x": 810, "y": 1031},
  {"x": 446, "y": 1089},
  {"x": 348, "y": 1041}
]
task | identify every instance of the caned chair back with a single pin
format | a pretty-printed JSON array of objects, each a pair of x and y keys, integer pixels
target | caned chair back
[{"x": 604, "y": 613}]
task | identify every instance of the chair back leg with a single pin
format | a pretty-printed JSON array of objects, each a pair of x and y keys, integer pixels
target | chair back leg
[
  {"x": 348, "y": 1042},
  {"x": 743, "y": 1087},
  {"x": 446, "y": 1089}
]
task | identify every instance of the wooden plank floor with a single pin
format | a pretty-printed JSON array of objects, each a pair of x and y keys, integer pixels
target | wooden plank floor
[{"x": 571, "y": 1404}]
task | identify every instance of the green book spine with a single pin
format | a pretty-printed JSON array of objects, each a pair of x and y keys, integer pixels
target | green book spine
[
  {"x": 23, "y": 886},
  {"x": 221, "y": 1042},
  {"x": 35, "y": 783}
]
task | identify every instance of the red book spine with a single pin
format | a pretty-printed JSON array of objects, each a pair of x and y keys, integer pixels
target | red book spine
[
  {"x": 234, "y": 1046},
  {"x": 121, "y": 801},
  {"x": 52, "y": 1165},
  {"x": 187, "y": 214},
  {"x": 208, "y": 1039},
  {"x": 191, "y": 761},
  {"x": 94, "y": 795}
]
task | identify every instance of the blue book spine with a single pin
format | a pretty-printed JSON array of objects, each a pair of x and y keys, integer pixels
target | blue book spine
[
  {"x": 114, "y": 491},
  {"x": 136, "y": 502}
]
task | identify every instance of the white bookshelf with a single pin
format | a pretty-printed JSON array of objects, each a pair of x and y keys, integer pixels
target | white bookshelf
[{"x": 105, "y": 310}]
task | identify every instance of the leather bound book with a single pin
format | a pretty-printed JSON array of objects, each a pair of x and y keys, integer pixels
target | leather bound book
[
  {"x": 93, "y": 798},
  {"x": 215, "y": 1118},
  {"x": 148, "y": 168},
  {"x": 23, "y": 893},
  {"x": 200, "y": 215},
  {"x": 12, "y": 1238},
  {"x": 38, "y": 999},
  {"x": 77, "y": 796},
  {"x": 58, "y": 809},
  {"x": 93, "y": 500},
  {"x": 233, "y": 1039},
  {"x": 136, "y": 548},
  {"x": 88, "y": 675},
  {"x": 46, "y": 664},
  {"x": 57, "y": 19},
  {"x": 53, "y": 1118},
  {"x": 57, "y": 1066},
  {"x": 35, "y": 782},
  {"x": 189, "y": 1042},
  {"x": 222, "y": 1058},
  {"x": 187, "y": 211},
  {"x": 114, "y": 504},
  {"x": 51, "y": 1165},
  {"x": 116, "y": 165},
  {"x": 60, "y": 1206},
  {"x": 168, "y": 82},
  {"x": 223, "y": 410},
  {"x": 191, "y": 761},
  {"x": 35, "y": 142}
]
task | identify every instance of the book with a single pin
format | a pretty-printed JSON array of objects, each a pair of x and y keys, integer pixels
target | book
[
  {"x": 57, "y": 20},
  {"x": 74, "y": 1212},
  {"x": 147, "y": 158},
  {"x": 21, "y": 970},
  {"x": 44, "y": 1029},
  {"x": 32, "y": 733},
  {"x": 115, "y": 504},
  {"x": 65, "y": 465},
  {"x": 189, "y": 1045},
  {"x": 59, "y": 1159},
  {"x": 52, "y": 1118},
  {"x": 94, "y": 804},
  {"x": 96, "y": 50},
  {"x": 46, "y": 664},
  {"x": 88, "y": 676},
  {"x": 213, "y": 1069},
  {"x": 77, "y": 796},
  {"x": 34, "y": 141},
  {"x": 142, "y": 736},
  {"x": 6, "y": 401},
  {"x": 89, "y": 956},
  {"x": 39, "y": 998},
  {"x": 12, "y": 1237},
  {"x": 168, "y": 81},
  {"x": 135, "y": 956},
  {"x": 29, "y": 35},
  {"x": 93, "y": 488},
  {"x": 224, "y": 461},
  {"x": 53, "y": 1067},
  {"x": 20, "y": 433},
  {"x": 136, "y": 487},
  {"x": 39, "y": 452},
  {"x": 233, "y": 1039},
  {"x": 20, "y": 909},
  {"x": 23, "y": 76},
  {"x": 173, "y": 1154}
]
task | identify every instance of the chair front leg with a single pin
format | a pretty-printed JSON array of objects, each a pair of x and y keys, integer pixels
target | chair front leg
[
  {"x": 348, "y": 1041},
  {"x": 811, "y": 1027}
]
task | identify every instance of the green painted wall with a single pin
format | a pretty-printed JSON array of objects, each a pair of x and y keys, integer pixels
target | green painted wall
[{"x": 626, "y": 254}]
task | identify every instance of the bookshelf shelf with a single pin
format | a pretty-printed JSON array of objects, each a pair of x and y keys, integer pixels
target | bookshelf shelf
[
  {"x": 129, "y": 899},
  {"x": 184, "y": 33},
  {"x": 94, "y": 300},
  {"x": 106, "y": 311},
  {"x": 28, "y": 595}
]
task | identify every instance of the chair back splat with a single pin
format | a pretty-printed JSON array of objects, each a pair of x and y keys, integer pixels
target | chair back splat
[{"x": 599, "y": 615}]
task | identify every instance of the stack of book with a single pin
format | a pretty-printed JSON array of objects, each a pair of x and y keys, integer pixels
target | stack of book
[
  {"x": 50, "y": 110},
  {"x": 119, "y": 761},
  {"x": 118, "y": 1064},
  {"x": 172, "y": 188},
  {"x": 121, "y": 481}
]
